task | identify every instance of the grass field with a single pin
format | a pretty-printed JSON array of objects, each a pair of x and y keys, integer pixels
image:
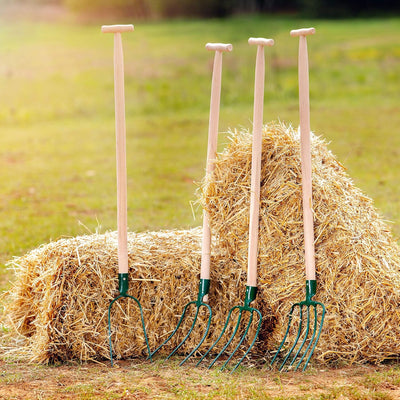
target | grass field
[{"x": 57, "y": 147}]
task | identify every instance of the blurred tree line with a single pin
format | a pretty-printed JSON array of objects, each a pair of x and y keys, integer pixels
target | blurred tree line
[{"x": 149, "y": 9}]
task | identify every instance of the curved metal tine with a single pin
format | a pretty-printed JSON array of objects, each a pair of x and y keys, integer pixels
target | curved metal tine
[
  {"x": 109, "y": 329},
  {"x": 312, "y": 337},
  {"x": 319, "y": 333},
  {"x": 254, "y": 339},
  {"x": 307, "y": 330},
  {"x": 204, "y": 336},
  {"x": 175, "y": 330},
  {"x": 232, "y": 336},
  {"x": 286, "y": 334},
  {"x": 240, "y": 341},
  {"x": 219, "y": 337},
  {"x": 142, "y": 321},
  {"x": 297, "y": 337},
  {"x": 186, "y": 337}
]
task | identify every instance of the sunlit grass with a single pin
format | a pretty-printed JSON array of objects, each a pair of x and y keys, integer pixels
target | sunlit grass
[{"x": 57, "y": 146}]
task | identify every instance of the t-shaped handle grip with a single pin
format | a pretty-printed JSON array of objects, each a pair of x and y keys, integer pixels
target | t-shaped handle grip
[
  {"x": 302, "y": 32},
  {"x": 219, "y": 47},
  {"x": 117, "y": 28},
  {"x": 261, "y": 42}
]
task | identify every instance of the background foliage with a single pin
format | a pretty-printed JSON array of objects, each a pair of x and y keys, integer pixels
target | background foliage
[{"x": 150, "y": 9}]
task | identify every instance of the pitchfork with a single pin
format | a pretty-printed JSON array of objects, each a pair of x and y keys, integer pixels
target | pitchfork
[
  {"x": 303, "y": 333},
  {"x": 204, "y": 283},
  {"x": 120, "y": 129},
  {"x": 251, "y": 287}
]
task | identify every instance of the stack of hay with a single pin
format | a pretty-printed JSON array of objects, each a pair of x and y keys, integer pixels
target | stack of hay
[
  {"x": 59, "y": 303},
  {"x": 357, "y": 259},
  {"x": 57, "y": 309}
]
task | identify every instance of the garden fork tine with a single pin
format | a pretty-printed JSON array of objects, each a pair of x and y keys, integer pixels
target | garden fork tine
[
  {"x": 309, "y": 253},
  {"x": 204, "y": 284},
  {"x": 251, "y": 287},
  {"x": 120, "y": 130}
]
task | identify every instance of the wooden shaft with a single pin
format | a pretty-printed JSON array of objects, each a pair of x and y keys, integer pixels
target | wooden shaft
[
  {"x": 120, "y": 131},
  {"x": 211, "y": 154},
  {"x": 304, "y": 103},
  {"x": 205, "y": 248},
  {"x": 256, "y": 167}
]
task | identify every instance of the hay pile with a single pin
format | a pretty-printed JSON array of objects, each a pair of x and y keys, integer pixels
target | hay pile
[
  {"x": 357, "y": 259},
  {"x": 57, "y": 309}
]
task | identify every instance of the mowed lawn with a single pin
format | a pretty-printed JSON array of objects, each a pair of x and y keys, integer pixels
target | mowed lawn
[{"x": 57, "y": 159}]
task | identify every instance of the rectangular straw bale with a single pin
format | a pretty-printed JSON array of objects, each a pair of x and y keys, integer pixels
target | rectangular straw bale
[{"x": 60, "y": 300}]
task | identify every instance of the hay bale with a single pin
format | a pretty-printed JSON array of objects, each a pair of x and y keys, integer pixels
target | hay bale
[
  {"x": 357, "y": 259},
  {"x": 57, "y": 309}
]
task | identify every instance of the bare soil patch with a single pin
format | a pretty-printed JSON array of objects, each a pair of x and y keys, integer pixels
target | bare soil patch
[{"x": 144, "y": 380}]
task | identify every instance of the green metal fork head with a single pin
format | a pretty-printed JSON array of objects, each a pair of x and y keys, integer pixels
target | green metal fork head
[
  {"x": 204, "y": 287},
  {"x": 123, "y": 286},
  {"x": 251, "y": 292},
  {"x": 303, "y": 336}
]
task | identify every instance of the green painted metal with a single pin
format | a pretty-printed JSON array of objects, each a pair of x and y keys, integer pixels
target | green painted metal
[
  {"x": 204, "y": 287},
  {"x": 311, "y": 290},
  {"x": 250, "y": 296},
  {"x": 308, "y": 305},
  {"x": 123, "y": 287},
  {"x": 123, "y": 284}
]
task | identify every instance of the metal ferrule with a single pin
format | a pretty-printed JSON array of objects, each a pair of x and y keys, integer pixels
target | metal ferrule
[
  {"x": 123, "y": 284},
  {"x": 250, "y": 296},
  {"x": 204, "y": 287},
  {"x": 311, "y": 289}
]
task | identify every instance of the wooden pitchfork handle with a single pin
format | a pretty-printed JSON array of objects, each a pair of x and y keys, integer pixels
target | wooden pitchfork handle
[
  {"x": 304, "y": 105},
  {"x": 256, "y": 158},
  {"x": 219, "y": 48},
  {"x": 120, "y": 131}
]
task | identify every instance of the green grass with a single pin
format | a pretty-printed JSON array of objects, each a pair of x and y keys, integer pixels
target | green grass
[{"x": 57, "y": 158}]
